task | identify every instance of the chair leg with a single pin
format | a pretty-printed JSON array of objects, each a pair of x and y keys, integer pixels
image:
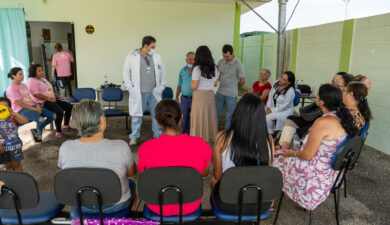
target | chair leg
[
  {"x": 336, "y": 205},
  {"x": 310, "y": 217},
  {"x": 278, "y": 209}
]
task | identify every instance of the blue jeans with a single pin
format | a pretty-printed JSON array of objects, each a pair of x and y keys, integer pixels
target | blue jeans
[
  {"x": 230, "y": 103},
  {"x": 34, "y": 116},
  {"x": 186, "y": 104},
  {"x": 136, "y": 121},
  {"x": 112, "y": 208}
]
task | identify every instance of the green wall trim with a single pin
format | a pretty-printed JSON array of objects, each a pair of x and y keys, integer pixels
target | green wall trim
[
  {"x": 242, "y": 49},
  {"x": 261, "y": 53},
  {"x": 294, "y": 51},
  {"x": 237, "y": 19},
  {"x": 346, "y": 45}
]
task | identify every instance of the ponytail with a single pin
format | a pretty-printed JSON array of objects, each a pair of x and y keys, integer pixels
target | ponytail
[
  {"x": 346, "y": 120},
  {"x": 360, "y": 91},
  {"x": 168, "y": 114}
]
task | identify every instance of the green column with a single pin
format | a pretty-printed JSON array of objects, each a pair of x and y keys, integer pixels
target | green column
[
  {"x": 261, "y": 53},
  {"x": 237, "y": 17},
  {"x": 294, "y": 51},
  {"x": 242, "y": 49},
  {"x": 346, "y": 45}
]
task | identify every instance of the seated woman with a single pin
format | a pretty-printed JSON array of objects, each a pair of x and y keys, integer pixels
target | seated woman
[
  {"x": 262, "y": 86},
  {"x": 365, "y": 80},
  {"x": 298, "y": 124},
  {"x": 243, "y": 144},
  {"x": 92, "y": 150},
  {"x": 22, "y": 103},
  {"x": 42, "y": 92},
  {"x": 281, "y": 104},
  {"x": 355, "y": 98},
  {"x": 307, "y": 174},
  {"x": 173, "y": 148}
]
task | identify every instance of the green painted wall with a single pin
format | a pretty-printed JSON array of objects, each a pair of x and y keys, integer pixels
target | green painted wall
[{"x": 346, "y": 45}]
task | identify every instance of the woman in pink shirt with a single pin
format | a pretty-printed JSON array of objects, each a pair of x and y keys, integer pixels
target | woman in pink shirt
[
  {"x": 173, "y": 148},
  {"x": 42, "y": 92},
  {"x": 23, "y": 104},
  {"x": 62, "y": 64}
]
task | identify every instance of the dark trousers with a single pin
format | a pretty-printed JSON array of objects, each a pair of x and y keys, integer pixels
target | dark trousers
[
  {"x": 186, "y": 104},
  {"x": 303, "y": 125},
  {"x": 66, "y": 84},
  {"x": 58, "y": 107}
]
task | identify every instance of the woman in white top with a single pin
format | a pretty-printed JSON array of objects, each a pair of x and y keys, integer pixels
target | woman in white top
[
  {"x": 203, "y": 113},
  {"x": 245, "y": 143},
  {"x": 280, "y": 103}
]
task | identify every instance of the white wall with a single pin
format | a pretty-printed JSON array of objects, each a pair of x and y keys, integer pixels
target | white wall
[
  {"x": 121, "y": 24},
  {"x": 58, "y": 32}
]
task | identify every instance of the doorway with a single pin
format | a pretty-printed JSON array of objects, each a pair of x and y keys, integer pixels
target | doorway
[{"x": 42, "y": 37}]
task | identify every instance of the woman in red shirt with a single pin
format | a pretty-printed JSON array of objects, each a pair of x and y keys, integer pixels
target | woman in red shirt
[
  {"x": 262, "y": 87},
  {"x": 173, "y": 148}
]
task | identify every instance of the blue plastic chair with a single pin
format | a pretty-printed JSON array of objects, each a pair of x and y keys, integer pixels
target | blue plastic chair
[
  {"x": 247, "y": 185},
  {"x": 114, "y": 95},
  {"x": 21, "y": 190},
  {"x": 5, "y": 94},
  {"x": 364, "y": 131},
  {"x": 82, "y": 93},
  {"x": 297, "y": 97},
  {"x": 170, "y": 185}
]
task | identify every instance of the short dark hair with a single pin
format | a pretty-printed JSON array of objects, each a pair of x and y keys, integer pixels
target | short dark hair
[
  {"x": 32, "y": 72},
  {"x": 5, "y": 99},
  {"x": 147, "y": 40},
  {"x": 227, "y": 49}
]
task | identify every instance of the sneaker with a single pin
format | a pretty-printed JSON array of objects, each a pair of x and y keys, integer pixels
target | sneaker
[
  {"x": 36, "y": 137},
  {"x": 133, "y": 141},
  {"x": 67, "y": 129},
  {"x": 61, "y": 135}
]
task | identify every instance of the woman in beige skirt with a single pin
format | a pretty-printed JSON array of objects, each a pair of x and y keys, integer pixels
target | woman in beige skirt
[{"x": 203, "y": 113}]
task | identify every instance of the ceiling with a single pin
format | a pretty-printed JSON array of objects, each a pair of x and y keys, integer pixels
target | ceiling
[{"x": 244, "y": 9}]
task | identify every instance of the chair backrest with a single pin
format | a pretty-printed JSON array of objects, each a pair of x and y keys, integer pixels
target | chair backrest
[
  {"x": 23, "y": 185},
  {"x": 167, "y": 93},
  {"x": 68, "y": 182},
  {"x": 234, "y": 179},
  {"x": 349, "y": 150},
  {"x": 5, "y": 94},
  {"x": 112, "y": 94},
  {"x": 364, "y": 131},
  {"x": 152, "y": 181},
  {"x": 297, "y": 97},
  {"x": 84, "y": 93}
]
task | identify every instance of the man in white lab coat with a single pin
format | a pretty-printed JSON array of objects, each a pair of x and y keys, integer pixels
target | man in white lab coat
[{"x": 144, "y": 77}]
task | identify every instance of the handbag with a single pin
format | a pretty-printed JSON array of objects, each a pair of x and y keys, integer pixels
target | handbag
[{"x": 310, "y": 112}]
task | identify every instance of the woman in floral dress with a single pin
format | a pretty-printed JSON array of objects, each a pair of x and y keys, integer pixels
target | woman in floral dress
[{"x": 307, "y": 174}]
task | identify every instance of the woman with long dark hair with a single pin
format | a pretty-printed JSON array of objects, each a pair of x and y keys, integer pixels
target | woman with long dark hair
[
  {"x": 23, "y": 104},
  {"x": 203, "y": 113},
  {"x": 307, "y": 174},
  {"x": 355, "y": 98},
  {"x": 42, "y": 92},
  {"x": 280, "y": 104},
  {"x": 245, "y": 143},
  {"x": 173, "y": 148}
]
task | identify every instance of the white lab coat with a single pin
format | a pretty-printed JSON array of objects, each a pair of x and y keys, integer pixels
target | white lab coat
[
  {"x": 131, "y": 77},
  {"x": 284, "y": 107}
]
